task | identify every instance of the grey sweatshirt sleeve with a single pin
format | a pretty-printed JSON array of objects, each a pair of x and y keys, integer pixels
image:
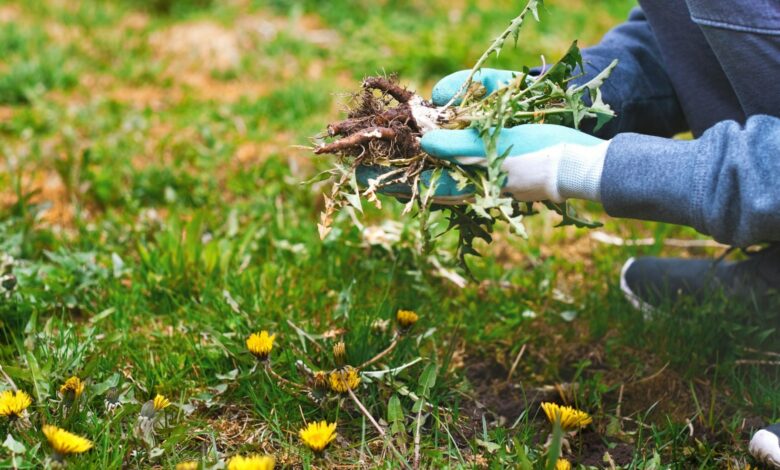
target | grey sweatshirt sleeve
[
  {"x": 725, "y": 184},
  {"x": 639, "y": 89}
]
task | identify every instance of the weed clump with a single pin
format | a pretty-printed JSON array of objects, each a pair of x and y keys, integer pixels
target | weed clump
[{"x": 385, "y": 122}]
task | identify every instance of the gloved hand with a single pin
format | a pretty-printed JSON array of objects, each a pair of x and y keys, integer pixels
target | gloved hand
[
  {"x": 491, "y": 79},
  {"x": 545, "y": 161}
]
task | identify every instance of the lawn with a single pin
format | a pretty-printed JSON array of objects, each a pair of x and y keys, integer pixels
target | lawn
[{"x": 156, "y": 208}]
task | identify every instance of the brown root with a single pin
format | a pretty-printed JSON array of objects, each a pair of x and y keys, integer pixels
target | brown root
[
  {"x": 388, "y": 85},
  {"x": 358, "y": 140},
  {"x": 380, "y": 127},
  {"x": 388, "y": 118}
]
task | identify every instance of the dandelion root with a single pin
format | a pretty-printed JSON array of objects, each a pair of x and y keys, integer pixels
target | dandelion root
[{"x": 388, "y": 85}]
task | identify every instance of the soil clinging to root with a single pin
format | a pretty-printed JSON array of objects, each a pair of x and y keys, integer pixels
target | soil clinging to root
[{"x": 380, "y": 125}]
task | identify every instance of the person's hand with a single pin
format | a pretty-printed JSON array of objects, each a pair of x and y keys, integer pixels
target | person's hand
[
  {"x": 544, "y": 162},
  {"x": 491, "y": 79}
]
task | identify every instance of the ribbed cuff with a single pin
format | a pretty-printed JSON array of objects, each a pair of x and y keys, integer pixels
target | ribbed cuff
[{"x": 579, "y": 172}]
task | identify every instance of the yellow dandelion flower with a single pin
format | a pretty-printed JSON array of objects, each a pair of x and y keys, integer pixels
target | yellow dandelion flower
[
  {"x": 260, "y": 344},
  {"x": 64, "y": 442},
  {"x": 72, "y": 388},
  {"x": 340, "y": 352},
  {"x": 160, "y": 402},
  {"x": 13, "y": 404},
  {"x": 406, "y": 318},
  {"x": 188, "y": 465},
  {"x": 562, "y": 464},
  {"x": 253, "y": 462},
  {"x": 317, "y": 436},
  {"x": 342, "y": 380},
  {"x": 570, "y": 418}
]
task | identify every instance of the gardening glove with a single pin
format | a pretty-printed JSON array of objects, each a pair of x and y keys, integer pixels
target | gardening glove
[
  {"x": 491, "y": 79},
  {"x": 544, "y": 162}
]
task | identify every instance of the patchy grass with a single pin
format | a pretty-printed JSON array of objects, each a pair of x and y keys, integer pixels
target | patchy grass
[{"x": 152, "y": 199}]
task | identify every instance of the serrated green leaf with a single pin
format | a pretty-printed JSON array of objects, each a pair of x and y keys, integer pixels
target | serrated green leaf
[
  {"x": 600, "y": 110},
  {"x": 462, "y": 181},
  {"x": 596, "y": 82},
  {"x": 569, "y": 215}
]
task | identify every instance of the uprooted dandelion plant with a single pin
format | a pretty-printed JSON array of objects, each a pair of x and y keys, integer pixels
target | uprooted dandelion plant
[{"x": 386, "y": 121}]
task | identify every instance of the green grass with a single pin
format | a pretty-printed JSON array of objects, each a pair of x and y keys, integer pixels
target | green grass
[
  {"x": 157, "y": 215},
  {"x": 30, "y": 67}
]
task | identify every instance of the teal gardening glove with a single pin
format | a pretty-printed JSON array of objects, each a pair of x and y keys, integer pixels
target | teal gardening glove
[{"x": 544, "y": 162}]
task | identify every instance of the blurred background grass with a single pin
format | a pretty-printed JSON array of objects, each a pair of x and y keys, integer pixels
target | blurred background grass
[{"x": 152, "y": 195}]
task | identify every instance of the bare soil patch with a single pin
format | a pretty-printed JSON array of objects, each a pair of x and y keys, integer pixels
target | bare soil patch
[
  {"x": 589, "y": 449},
  {"x": 9, "y": 13},
  {"x": 197, "y": 44},
  {"x": 47, "y": 188}
]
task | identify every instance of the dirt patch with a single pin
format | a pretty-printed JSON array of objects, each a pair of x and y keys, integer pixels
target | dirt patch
[
  {"x": 6, "y": 113},
  {"x": 53, "y": 191},
  {"x": 64, "y": 34},
  {"x": 506, "y": 252},
  {"x": 47, "y": 189},
  {"x": 206, "y": 43},
  {"x": 142, "y": 97},
  {"x": 646, "y": 382},
  {"x": 192, "y": 51},
  {"x": 205, "y": 87},
  {"x": 642, "y": 391},
  {"x": 500, "y": 401},
  {"x": 134, "y": 21},
  {"x": 589, "y": 448},
  {"x": 309, "y": 28},
  {"x": 197, "y": 44},
  {"x": 9, "y": 13},
  {"x": 197, "y": 86}
]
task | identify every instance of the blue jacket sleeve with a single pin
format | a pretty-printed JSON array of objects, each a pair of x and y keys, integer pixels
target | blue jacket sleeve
[
  {"x": 639, "y": 90},
  {"x": 724, "y": 184}
]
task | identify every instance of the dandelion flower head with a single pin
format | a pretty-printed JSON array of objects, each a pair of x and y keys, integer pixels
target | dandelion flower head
[
  {"x": 406, "y": 318},
  {"x": 570, "y": 418},
  {"x": 13, "y": 404},
  {"x": 64, "y": 442},
  {"x": 260, "y": 344},
  {"x": 72, "y": 388},
  {"x": 317, "y": 436},
  {"x": 160, "y": 402},
  {"x": 562, "y": 464},
  {"x": 253, "y": 462},
  {"x": 188, "y": 465},
  {"x": 345, "y": 379}
]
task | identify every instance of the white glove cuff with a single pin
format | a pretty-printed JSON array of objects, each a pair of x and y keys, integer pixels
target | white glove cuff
[{"x": 579, "y": 172}]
